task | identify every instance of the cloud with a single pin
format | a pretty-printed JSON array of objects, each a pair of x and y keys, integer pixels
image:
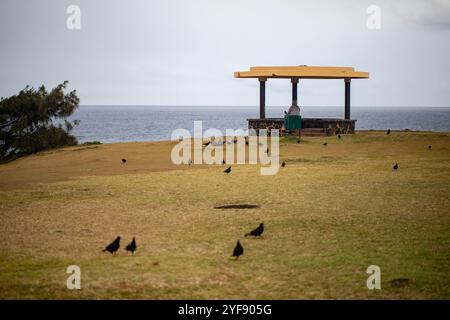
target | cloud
[{"x": 430, "y": 13}]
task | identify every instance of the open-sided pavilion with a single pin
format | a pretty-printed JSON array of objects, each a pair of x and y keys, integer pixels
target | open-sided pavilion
[{"x": 325, "y": 126}]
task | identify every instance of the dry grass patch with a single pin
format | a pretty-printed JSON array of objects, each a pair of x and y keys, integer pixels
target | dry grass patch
[{"x": 327, "y": 219}]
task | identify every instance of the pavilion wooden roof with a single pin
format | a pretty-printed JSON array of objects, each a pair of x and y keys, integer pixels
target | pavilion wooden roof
[{"x": 302, "y": 72}]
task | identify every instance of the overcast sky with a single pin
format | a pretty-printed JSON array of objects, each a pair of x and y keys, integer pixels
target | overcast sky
[{"x": 184, "y": 52}]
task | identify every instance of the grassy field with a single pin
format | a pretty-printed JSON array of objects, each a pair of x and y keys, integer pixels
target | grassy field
[{"x": 329, "y": 214}]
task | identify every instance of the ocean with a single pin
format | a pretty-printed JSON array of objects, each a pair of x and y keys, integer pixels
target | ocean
[{"x": 109, "y": 124}]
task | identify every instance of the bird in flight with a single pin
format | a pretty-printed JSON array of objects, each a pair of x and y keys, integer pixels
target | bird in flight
[
  {"x": 238, "y": 250},
  {"x": 131, "y": 246},
  {"x": 113, "y": 246},
  {"x": 256, "y": 232}
]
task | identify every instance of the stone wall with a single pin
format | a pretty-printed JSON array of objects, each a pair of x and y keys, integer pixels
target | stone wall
[
  {"x": 329, "y": 125},
  {"x": 268, "y": 123}
]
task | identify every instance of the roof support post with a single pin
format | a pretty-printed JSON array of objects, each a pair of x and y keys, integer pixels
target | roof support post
[
  {"x": 347, "y": 98},
  {"x": 294, "y": 91},
  {"x": 262, "y": 98}
]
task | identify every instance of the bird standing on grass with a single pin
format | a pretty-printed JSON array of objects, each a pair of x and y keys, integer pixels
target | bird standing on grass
[
  {"x": 325, "y": 144},
  {"x": 256, "y": 232},
  {"x": 339, "y": 136},
  {"x": 395, "y": 166},
  {"x": 124, "y": 161},
  {"x": 283, "y": 164},
  {"x": 429, "y": 147},
  {"x": 389, "y": 131},
  {"x": 238, "y": 250},
  {"x": 131, "y": 246},
  {"x": 113, "y": 246},
  {"x": 223, "y": 162},
  {"x": 227, "y": 170}
]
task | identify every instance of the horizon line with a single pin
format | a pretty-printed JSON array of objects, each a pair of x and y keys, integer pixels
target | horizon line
[{"x": 248, "y": 106}]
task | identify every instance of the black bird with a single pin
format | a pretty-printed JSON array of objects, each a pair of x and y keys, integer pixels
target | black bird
[
  {"x": 429, "y": 147},
  {"x": 246, "y": 142},
  {"x": 227, "y": 170},
  {"x": 396, "y": 166},
  {"x": 124, "y": 160},
  {"x": 283, "y": 164},
  {"x": 257, "y": 232},
  {"x": 113, "y": 246},
  {"x": 267, "y": 150},
  {"x": 131, "y": 246},
  {"x": 235, "y": 140},
  {"x": 223, "y": 162},
  {"x": 325, "y": 144},
  {"x": 298, "y": 141},
  {"x": 238, "y": 250},
  {"x": 206, "y": 143},
  {"x": 285, "y": 112},
  {"x": 339, "y": 136},
  {"x": 389, "y": 131}
]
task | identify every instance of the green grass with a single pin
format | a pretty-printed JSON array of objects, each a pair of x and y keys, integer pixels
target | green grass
[
  {"x": 89, "y": 143},
  {"x": 331, "y": 213}
]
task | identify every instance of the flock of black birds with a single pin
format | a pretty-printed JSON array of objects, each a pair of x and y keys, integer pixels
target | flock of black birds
[
  {"x": 228, "y": 170},
  {"x": 388, "y": 132},
  {"x": 114, "y": 246},
  {"x": 239, "y": 249}
]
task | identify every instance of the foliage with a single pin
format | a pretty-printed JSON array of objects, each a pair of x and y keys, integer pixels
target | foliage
[{"x": 35, "y": 120}]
